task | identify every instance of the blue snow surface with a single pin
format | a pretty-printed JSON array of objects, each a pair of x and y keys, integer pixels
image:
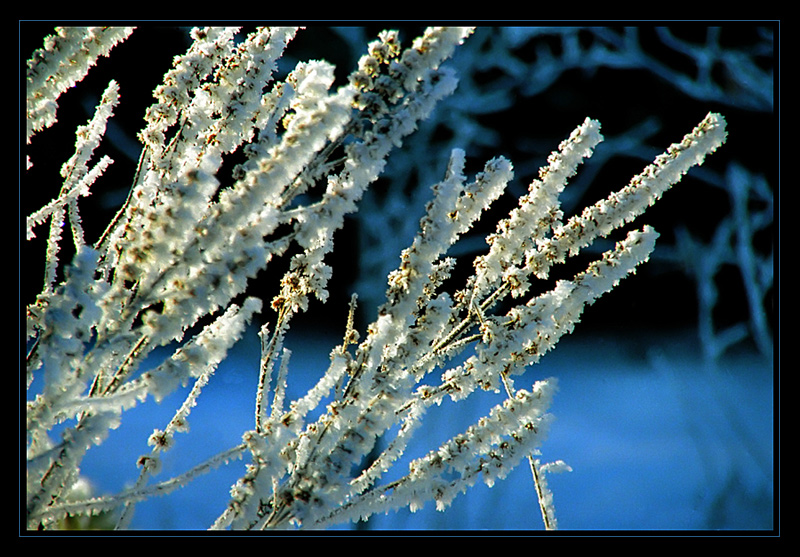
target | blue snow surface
[{"x": 655, "y": 440}]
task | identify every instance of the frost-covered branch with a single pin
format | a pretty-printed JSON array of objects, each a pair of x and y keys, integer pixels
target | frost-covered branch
[
  {"x": 64, "y": 60},
  {"x": 173, "y": 267}
]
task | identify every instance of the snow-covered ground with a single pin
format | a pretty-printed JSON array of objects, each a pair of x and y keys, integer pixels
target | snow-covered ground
[{"x": 655, "y": 442}]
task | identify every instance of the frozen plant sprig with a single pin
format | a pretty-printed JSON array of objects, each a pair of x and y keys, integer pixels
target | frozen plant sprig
[
  {"x": 298, "y": 481},
  {"x": 184, "y": 245},
  {"x": 64, "y": 59}
]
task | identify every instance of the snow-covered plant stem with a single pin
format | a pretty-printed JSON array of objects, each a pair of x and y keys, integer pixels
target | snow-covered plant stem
[{"x": 182, "y": 248}]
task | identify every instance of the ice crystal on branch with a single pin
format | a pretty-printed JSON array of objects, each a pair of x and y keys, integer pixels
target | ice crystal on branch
[{"x": 182, "y": 248}]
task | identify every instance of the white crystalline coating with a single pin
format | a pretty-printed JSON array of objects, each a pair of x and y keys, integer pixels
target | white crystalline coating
[
  {"x": 631, "y": 201},
  {"x": 64, "y": 60},
  {"x": 538, "y": 211},
  {"x": 172, "y": 271}
]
